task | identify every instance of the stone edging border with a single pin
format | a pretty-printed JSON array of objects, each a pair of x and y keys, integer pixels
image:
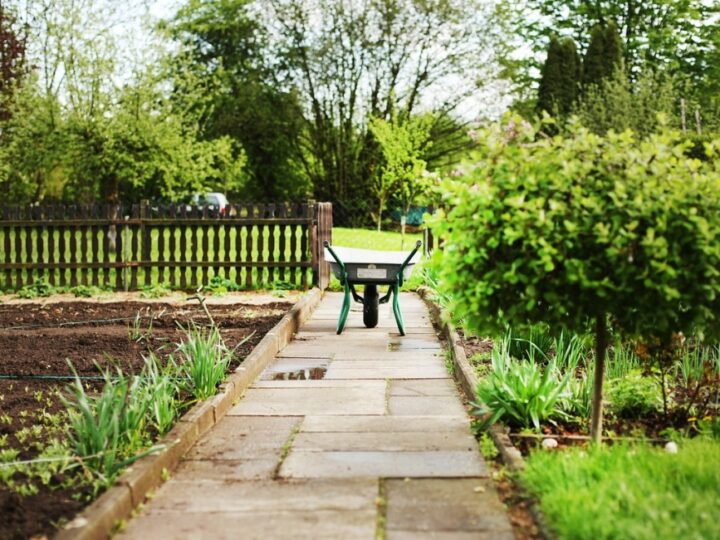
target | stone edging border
[
  {"x": 97, "y": 521},
  {"x": 465, "y": 376}
]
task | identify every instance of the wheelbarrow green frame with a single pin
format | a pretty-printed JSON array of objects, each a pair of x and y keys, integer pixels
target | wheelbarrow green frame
[{"x": 349, "y": 289}]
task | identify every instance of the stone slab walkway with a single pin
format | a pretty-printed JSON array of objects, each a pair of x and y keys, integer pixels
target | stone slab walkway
[{"x": 380, "y": 445}]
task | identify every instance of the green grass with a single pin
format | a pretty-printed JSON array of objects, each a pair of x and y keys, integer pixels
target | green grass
[
  {"x": 634, "y": 492},
  {"x": 369, "y": 239}
]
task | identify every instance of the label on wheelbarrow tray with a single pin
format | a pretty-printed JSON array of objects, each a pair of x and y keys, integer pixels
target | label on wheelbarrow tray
[{"x": 372, "y": 273}]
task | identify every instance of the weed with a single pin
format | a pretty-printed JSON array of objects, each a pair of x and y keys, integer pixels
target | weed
[
  {"x": 449, "y": 362},
  {"x": 155, "y": 291},
  {"x": 634, "y": 396},
  {"x": 487, "y": 447},
  {"x": 86, "y": 291},
  {"x": 219, "y": 286},
  {"x": 38, "y": 288}
]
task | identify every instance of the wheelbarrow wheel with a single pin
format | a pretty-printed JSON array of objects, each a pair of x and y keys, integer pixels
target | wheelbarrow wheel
[{"x": 370, "y": 306}]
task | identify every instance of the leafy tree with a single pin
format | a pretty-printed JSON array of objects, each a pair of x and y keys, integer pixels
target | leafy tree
[
  {"x": 682, "y": 37},
  {"x": 12, "y": 59},
  {"x": 578, "y": 228},
  {"x": 558, "y": 87},
  {"x": 246, "y": 100},
  {"x": 402, "y": 171},
  {"x": 354, "y": 60}
]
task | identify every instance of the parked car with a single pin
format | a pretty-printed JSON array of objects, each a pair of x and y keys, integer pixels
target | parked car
[{"x": 211, "y": 200}]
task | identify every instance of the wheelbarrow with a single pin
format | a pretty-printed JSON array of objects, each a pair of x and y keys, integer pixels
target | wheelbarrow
[{"x": 371, "y": 268}]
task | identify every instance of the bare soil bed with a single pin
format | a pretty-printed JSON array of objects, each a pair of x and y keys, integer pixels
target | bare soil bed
[{"x": 38, "y": 340}]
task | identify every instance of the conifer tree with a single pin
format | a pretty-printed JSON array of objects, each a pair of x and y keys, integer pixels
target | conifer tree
[
  {"x": 594, "y": 63},
  {"x": 559, "y": 81}
]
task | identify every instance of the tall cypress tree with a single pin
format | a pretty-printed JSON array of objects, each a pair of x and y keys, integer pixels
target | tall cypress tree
[
  {"x": 594, "y": 63},
  {"x": 613, "y": 50},
  {"x": 558, "y": 87},
  {"x": 603, "y": 56}
]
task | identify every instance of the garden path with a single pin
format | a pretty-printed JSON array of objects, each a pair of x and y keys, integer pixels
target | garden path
[{"x": 380, "y": 446}]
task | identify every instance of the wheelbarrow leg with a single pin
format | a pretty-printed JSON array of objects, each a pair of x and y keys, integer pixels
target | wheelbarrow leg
[
  {"x": 345, "y": 309},
  {"x": 396, "y": 309}
]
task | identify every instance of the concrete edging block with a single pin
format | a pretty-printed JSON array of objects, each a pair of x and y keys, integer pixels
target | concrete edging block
[
  {"x": 97, "y": 520},
  {"x": 465, "y": 376}
]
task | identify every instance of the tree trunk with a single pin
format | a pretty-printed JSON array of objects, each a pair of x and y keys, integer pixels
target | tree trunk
[
  {"x": 601, "y": 341},
  {"x": 379, "y": 216}
]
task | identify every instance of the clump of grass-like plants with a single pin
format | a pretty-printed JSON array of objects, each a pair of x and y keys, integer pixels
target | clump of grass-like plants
[
  {"x": 106, "y": 430},
  {"x": 526, "y": 392},
  {"x": 203, "y": 360}
]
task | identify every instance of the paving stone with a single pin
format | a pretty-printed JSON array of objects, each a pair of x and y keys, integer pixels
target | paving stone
[
  {"x": 308, "y": 525},
  {"x": 387, "y": 372},
  {"x": 205, "y": 470},
  {"x": 179, "y": 496},
  {"x": 425, "y": 387},
  {"x": 379, "y": 424},
  {"x": 231, "y": 439},
  {"x": 302, "y": 401},
  {"x": 385, "y": 442},
  {"x": 463, "y": 504},
  {"x": 382, "y": 464},
  {"x": 426, "y": 405},
  {"x": 369, "y": 384},
  {"x": 448, "y": 535}
]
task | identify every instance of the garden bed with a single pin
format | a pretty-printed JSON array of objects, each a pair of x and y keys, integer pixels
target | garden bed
[{"x": 38, "y": 340}]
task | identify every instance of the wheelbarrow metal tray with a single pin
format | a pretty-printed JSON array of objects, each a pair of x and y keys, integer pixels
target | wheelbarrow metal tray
[{"x": 369, "y": 266}]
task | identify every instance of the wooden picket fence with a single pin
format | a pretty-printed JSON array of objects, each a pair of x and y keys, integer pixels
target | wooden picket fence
[{"x": 253, "y": 245}]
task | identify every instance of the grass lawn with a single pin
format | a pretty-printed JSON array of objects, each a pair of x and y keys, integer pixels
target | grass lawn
[
  {"x": 370, "y": 239},
  {"x": 633, "y": 492}
]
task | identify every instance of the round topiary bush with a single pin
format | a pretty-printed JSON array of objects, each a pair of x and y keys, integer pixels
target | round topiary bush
[{"x": 579, "y": 228}]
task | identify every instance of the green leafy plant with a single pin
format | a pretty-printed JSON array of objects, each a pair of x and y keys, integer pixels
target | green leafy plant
[
  {"x": 521, "y": 392},
  {"x": 105, "y": 429},
  {"x": 155, "y": 291},
  {"x": 220, "y": 286},
  {"x": 621, "y": 362},
  {"x": 162, "y": 385},
  {"x": 577, "y": 228},
  {"x": 38, "y": 288},
  {"x": 203, "y": 359},
  {"x": 487, "y": 446},
  {"x": 634, "y": 396}
]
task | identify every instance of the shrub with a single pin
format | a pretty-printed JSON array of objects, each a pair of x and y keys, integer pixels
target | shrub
[
  {"x": 576, "y": 228},
  {"x": 634, "y": 396}
]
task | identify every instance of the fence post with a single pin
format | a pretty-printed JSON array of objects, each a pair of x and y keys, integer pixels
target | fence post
[
  {"x": 428, "y": 238},
  {"x": 146, "y": 241},
  {"x": 322, "y": 230}
]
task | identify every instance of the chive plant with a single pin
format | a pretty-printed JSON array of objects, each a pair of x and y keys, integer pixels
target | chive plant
[{"x": 203, "y": 360}]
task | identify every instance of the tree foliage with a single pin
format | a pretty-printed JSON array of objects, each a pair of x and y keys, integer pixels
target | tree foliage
[
  {"x": 402, "y": 144},
  {"x": 12, "y": 58},
  {"x": 351, "y": 61},
  {"x": 225, "y": 45},
  {"x": 578, "y": 227},
  {"x": 678, "y": 37},
  {"x": 603, "y": 57},
  {"x": 560, "y": 78}
]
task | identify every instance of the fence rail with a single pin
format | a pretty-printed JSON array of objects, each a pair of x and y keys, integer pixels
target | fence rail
[{"x": 126, "y": 248}]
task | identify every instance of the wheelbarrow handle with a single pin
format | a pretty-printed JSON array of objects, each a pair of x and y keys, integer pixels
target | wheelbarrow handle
[
  {"x": 412, "y": 254},
  {"x": 335, "y": 256}
]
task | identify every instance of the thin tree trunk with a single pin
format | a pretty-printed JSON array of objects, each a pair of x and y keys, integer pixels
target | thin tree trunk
[
  {"x": 601, "y": 341},
  {"x": 379, "y": 216}
]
